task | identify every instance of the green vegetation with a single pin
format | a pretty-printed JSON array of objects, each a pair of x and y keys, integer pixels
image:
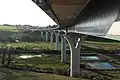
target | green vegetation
[
  {"x": 108, "y": 46},
  {"x": 44, "y": 63},
  {"x": 9, "y": 28},
  {"x": 26, "y": 75},
  {"x": 47, "y": 63},
  {"x": 29, "y": 45},
  {"x": 51, "y": 62},
  {"x": 105, "y": 48}
]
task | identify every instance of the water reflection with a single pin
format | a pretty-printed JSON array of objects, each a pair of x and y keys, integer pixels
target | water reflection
[
  {"x": 29, "y": 56},
  {"x": 90, "y": 58},
  {"x": 96, "y": 62},
  {"x": 100, "y": 65}
]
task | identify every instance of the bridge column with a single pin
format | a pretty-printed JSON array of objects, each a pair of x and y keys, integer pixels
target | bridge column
[
  {"x": 47, "y": 36},
  {"x": 42, "y": 35},
  {"x": 75, "y": 41},
  {"x": 51, "y": 37},
  {"x": 63, "y": 49},
  {"x": 57, "y": 41}
]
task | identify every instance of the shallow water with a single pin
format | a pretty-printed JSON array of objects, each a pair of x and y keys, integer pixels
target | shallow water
[
  {"x": 29, "y": 56},
  {"x": 90, "y": 58},
  {"x": 101, "y": 65}
]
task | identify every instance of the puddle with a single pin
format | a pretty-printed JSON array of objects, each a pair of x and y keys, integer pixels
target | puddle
[
  {"x": 97, "y": 63},
  {"x": 29, "y": 56},
  {"x": 90, "y": 58},
  {"x": 101, "y": 65}
]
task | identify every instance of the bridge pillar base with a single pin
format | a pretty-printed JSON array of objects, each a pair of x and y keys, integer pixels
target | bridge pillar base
[{"x": 75, "y": 41}]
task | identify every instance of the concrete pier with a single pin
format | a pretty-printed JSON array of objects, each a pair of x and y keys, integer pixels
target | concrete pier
[
  {"x": 51, "y": 37},
  {"x": 57, "y": 41},
  {"x": 75, "y": 41},
  {"x": 47, "y": 36},
  {"x": 63, "y": 49}
]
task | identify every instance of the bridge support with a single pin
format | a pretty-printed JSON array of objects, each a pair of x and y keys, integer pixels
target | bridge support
[
  {"x": 63, "y": 49},
  {"x": 47, "y": 36},
  {"x": 51, "y": 37},
  {"x": 42, "y": 35},
  {"x": 57, "y": 41},
  {"x": 75, "y": 41}
]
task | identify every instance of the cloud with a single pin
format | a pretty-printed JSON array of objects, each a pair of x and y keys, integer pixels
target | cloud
[{"x": 23, "y": 12}]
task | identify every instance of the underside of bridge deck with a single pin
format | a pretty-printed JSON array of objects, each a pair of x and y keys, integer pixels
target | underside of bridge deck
[
  {"x": 62, "y": 11},
  {"x": 68, "y": 13}
]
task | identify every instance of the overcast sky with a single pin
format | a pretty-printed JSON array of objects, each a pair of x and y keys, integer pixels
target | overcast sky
[
  {"x": 23, "y": 12},
  {"x": 115, "y": 28}
]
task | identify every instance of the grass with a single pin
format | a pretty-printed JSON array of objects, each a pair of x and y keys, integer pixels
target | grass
[
  {"x": 109, "y": 46},
  {"x": 93, "y": 42},
  {"x": 51, "y": 61},
  {"x": 46, "y": 61},
  {"x": 26, "y": 75},
  {"x": 29, "y": 45},
  {"x": 9, "y": 28}
]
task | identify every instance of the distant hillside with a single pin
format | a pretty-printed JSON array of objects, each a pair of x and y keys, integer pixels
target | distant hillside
[
  {"x": 29, "y": 36},
  {"x": 6, "y": 32},
  {"x": 11, "y": 33},
  {"x": 9, "y": 28},
  {"x": 5, "y": 35}
]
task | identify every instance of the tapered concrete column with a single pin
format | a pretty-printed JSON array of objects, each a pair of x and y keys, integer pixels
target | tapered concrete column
[
  {"x": 63, "y": 49},
  {"x": 42, "y": 37},
  {"x": 75, "y": 42},
  {"x": 57, "y": 41},
  {"x": 47, "y": 36},
  {"x": 51, "y": 37}
]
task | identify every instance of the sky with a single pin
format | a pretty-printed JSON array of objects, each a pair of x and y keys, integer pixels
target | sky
[
  {"x": 115, "y": 28},
  {"x": 23, "y": 12}
]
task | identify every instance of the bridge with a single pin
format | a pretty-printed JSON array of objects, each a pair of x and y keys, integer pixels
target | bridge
[{"x": 76, "y": 19}]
